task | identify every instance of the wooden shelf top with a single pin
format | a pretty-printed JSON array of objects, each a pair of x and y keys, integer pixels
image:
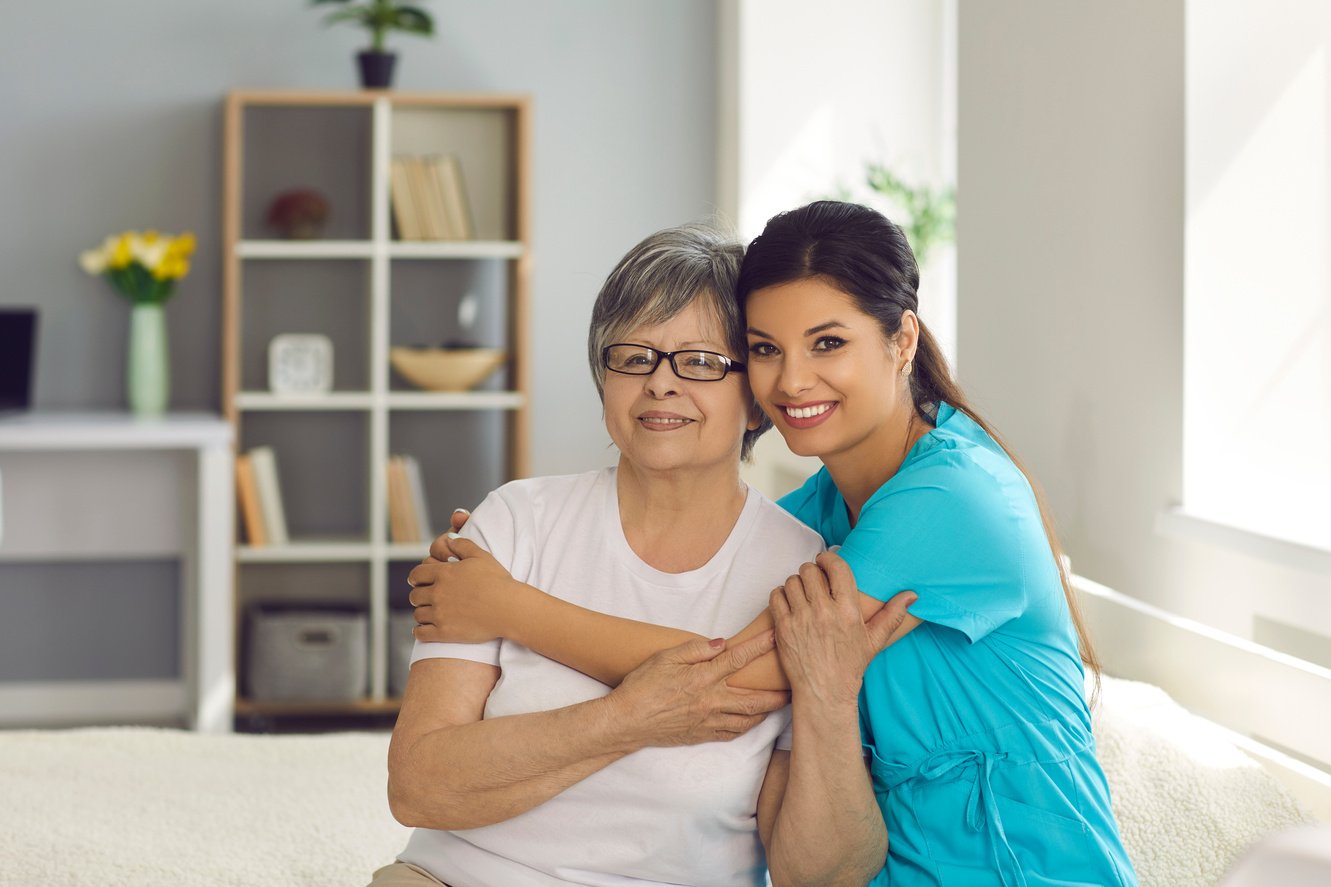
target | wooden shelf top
[
  {"x": 261, "y": 401},
  {"x": 365, "y": 249},
  {"x": 112, "y": 430},
  {"x": 367, "y": 97}
]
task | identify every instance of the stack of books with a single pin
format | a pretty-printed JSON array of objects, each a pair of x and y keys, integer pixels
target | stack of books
[
  {"x": 260, "y": 496},
  {"x": 429, "y": 201},
  {"x": 408, "y": 513}
]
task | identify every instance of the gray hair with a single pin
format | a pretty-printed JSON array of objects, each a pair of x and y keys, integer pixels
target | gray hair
[{"x": 658, "y": 279}]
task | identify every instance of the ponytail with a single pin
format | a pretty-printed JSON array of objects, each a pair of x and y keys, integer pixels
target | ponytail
[{"x": 931, "y": 383}]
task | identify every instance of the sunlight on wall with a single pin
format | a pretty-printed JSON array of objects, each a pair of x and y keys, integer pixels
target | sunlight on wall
[
  {"x": 811, "y": 94},
  {"x": 1257, "y": 387}
]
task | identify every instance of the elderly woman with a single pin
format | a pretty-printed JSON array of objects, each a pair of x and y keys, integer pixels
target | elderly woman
[{"x": 516, "y": 770}]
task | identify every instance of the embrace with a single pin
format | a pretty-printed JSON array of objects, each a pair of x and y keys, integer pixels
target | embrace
[{"x": 652, "y": 675}]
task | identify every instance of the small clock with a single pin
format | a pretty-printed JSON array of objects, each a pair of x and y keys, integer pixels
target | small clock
[{"x": 300, "y": 363}]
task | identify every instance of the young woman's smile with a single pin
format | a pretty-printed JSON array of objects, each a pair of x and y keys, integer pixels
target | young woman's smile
[
  {"x": 822, "y": 369},
  {"x": 808, "y": 415}
]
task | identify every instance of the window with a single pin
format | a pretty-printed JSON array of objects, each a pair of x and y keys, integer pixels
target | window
[{"x": 1257, "y": 361}]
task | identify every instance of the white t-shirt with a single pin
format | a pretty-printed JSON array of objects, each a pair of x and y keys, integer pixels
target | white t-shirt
[{"x": 667, "y": 816}]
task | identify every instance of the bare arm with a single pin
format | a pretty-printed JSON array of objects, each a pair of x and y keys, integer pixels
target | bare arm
[
  {"x": 449, "y": 769},
  {"x": 475, "y": 599},
  {"x": 817, "y": 814}
]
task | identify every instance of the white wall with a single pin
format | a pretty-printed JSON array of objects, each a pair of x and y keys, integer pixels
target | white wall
[
  {"x": 811, "y": 92},
  {"x": 110, "y": 118},
  {"x": 1070, "y": 291}
]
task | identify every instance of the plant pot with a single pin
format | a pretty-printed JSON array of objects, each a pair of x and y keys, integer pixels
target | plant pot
[{"x": 376, "y": 69}]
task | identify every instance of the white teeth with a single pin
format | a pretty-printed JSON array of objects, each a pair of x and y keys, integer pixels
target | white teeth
[
  {"x": 661, "y": 420},
  {"x": 807, "y": 412}
]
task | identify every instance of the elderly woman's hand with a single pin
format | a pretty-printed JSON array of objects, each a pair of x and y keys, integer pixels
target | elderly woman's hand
[
  {"x": 460, "y": 593},
  {"x": 823, "y": 640},
  {"x": 680, "y": 695}
]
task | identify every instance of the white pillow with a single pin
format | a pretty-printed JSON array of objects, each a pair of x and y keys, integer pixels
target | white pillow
[{"x": 1188, "y": 801}]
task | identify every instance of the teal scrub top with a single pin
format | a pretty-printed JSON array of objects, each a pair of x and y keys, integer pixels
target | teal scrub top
[{"x": 975, "y": 724}]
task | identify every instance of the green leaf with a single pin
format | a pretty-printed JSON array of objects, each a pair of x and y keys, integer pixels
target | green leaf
[
  {"x": 414, "y": 20},
  {"x": 354, "y": 14}
]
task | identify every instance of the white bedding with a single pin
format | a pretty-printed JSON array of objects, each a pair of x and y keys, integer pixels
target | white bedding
[{"x": 147, "y": 807}]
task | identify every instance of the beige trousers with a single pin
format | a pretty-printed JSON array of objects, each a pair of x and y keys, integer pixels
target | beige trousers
[{"x": 404, "y": 874}]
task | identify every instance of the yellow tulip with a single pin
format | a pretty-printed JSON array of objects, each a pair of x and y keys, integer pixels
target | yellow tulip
[
  {"x": 93, "y": 261},
  {"x": 185, "y": 243},
  {"x": 122, "y": 253}
]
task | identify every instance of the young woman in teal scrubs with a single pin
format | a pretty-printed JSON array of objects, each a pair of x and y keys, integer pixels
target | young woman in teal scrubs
[{"x": 981, "y": 766}]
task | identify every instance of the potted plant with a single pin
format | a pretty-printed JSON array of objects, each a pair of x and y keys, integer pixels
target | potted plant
[{"x": 379, "y": 17}]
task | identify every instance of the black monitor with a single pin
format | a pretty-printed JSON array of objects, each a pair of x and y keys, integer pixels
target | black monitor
[{"x": 18, "y": 352}]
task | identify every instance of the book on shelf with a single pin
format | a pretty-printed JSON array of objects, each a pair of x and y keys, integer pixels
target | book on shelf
[
  {"x": 420, "y": 508},
  {"x": 263, "y": 460},
  {"x": 247, "y": 493},
  {"x": 429, "y": 204},
  {"x": 408, "y": 512},
  {"x": 432, "y": 186},
  {"x": 405, "y": 212},
  {"x": 399, "y": 505},
  {"x": 457, "y": 209},
  {"x": 429, "y": 198}
]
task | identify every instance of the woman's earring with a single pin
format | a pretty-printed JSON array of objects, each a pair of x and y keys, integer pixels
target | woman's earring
[{"x": 905, "y": 370}]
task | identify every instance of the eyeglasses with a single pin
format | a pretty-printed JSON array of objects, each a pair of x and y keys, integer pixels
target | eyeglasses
[{"x": 639, "y": 360}]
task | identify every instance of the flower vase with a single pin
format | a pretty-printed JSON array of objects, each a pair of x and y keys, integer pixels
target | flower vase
[{"x": 148, "y": 374}]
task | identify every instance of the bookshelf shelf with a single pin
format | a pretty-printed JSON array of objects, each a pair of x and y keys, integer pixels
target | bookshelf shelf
[
  {"x": 413, "y": 552},
  {"x": 365, "y": 249},
  {"x": 307, "y": 551},
  {"x": 456, "y": 249},
  {"x": 305, "y": 249},
  {"x": 459, "y": 400},
  {"x": 368, "y": 706},
  {"x": 337, "y": 400},
  {"x": 367, "y": 289}
]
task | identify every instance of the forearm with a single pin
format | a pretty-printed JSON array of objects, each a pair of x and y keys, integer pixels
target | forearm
[
  {"x": 476, "y": 774},
  {"x": 600, "y": 646},
  {"x": 609, "y": 647},
  {"x": 829, "y": 829}
]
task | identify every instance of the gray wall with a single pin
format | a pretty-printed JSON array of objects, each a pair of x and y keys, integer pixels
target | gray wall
[
  {"x": 110, "y": 118},
  {"x": 1070, "y": 291}
]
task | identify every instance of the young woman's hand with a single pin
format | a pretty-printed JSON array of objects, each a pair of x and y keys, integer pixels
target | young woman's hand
[
  {"x": 461, "y": 594},
  {"x": 823, "y": 640},
  {"x": 680, "y": 697}
]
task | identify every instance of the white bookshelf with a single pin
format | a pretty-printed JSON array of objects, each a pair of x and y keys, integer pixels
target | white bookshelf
[{"x": 361, "y": 270}]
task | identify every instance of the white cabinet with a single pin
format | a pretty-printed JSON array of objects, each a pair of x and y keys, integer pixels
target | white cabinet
[{"x": 101, "y": 490}]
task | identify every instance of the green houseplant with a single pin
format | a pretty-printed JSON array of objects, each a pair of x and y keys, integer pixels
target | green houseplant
[
  {"x": 379, "y": 17},
  {"x": 925, "y": 215}
]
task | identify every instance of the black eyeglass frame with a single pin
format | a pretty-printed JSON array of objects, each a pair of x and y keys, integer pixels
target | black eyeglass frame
[{"x": 731, "y": 365}]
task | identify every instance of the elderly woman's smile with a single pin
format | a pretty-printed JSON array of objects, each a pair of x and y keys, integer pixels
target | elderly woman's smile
[{"x": 658, "y": 421}]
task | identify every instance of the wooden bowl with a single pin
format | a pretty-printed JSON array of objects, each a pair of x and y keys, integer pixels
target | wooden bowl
[{"x": 446, "y": 369}]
